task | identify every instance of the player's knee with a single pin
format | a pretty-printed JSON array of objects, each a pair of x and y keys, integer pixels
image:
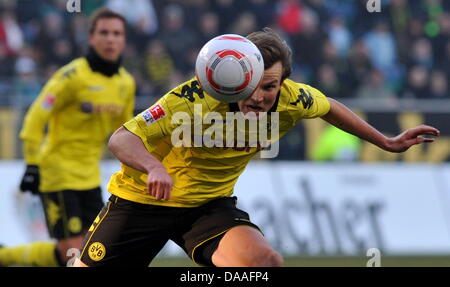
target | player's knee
[
  {"x": 268, "y": 258},
  {"x": 278, "y": 260}
]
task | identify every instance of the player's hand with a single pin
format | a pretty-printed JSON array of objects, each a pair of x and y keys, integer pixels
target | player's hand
[
  {"x": 159, "y": 183},
  {"x": 411, "y": 137},
  {"x": 30, "y": 180}
]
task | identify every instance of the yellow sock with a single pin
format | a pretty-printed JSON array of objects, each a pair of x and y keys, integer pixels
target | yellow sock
[{"x": 40, "y": 254}]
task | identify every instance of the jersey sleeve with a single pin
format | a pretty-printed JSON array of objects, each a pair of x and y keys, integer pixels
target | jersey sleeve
[
  {"x": 54, "y": 95},
  {"x": 309, "y": 103},
  {"x": 158, "y": 122}
]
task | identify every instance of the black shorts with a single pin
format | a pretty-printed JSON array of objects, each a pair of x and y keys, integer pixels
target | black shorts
[
  {"x": 127, "y": 233},
  {"x": 69, "y": 213}
]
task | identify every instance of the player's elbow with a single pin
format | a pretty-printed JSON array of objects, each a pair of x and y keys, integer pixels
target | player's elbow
[
  {"x": 111, "y": 143},
  {"x": 114, "y": 140}
]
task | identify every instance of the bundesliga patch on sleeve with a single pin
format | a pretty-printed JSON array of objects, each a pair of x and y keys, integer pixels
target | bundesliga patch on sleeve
[
  {"x": 48, "y": 102},
  {"x": 153, "y": 114}
]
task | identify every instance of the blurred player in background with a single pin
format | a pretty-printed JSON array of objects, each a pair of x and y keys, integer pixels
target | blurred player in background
[
  {"x": 184, "y": 194},
  {"x": 83, "y": 103}
]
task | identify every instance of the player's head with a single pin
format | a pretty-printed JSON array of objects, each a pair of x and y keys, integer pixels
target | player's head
[
  {"x": 273, "y": 49},
  {"x": 107, "y": 34},
  {"x": 277, "y": 67}
]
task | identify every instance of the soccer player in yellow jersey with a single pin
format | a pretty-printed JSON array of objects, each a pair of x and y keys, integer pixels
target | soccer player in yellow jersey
[
  {"x": 183, "y": 193},
  {"x": 83, "y": 104}
]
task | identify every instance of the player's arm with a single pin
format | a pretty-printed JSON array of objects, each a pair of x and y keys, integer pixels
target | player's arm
[
  {"x": 52, "y": 96},
  {"x": 133, "y": 143},
  {"x": 130, "y": 150},
  {"x": 342, "y": 117}
]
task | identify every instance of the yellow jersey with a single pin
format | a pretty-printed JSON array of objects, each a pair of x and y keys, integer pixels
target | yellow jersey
[
  {"x": 202, "y": 173},
  {"x": 79, "y": 108}
]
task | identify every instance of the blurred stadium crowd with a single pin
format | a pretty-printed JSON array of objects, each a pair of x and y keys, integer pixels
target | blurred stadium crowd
[{"x": 338, "y": 46}]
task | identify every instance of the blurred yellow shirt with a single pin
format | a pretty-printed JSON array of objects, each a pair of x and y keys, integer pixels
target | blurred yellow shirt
[
  {"x": 79, "y": 108},
  {"x": 202, "y": 173}
]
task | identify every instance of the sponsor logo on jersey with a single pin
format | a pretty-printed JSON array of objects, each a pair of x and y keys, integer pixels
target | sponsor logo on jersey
[
  {"x": 95, "y": 88},
  {"x": 87, "y": 107},
  {"x": 48, "y": 102},
  {"x": 154, "y": 114},
  {"x": 90, "y": 108},
  {"x": 305, "y": 98},
  {"x": 189, "y": 91}
]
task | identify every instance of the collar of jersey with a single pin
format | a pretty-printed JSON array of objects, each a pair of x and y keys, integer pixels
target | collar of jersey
[
  {"x": 235, "y": 108},
  {"x": 99, "y": 65}
]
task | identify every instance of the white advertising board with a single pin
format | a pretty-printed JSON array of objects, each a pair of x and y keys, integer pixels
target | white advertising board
[{"x": 302, "y": 208}]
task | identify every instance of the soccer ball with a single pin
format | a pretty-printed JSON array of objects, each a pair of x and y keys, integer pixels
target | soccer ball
[{"x": 229, "y": 68}]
